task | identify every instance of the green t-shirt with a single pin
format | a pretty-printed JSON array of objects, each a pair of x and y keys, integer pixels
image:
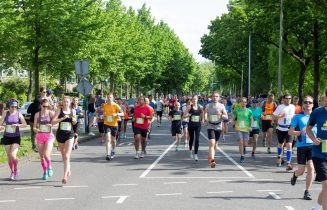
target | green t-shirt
[
  {"x": 256, "y": 114},
  {"x": 243, "y": 119}
]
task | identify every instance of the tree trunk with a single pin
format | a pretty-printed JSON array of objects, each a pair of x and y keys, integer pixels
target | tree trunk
[
  {"x": 111, "y": 79},
  {"x": 36, "y": 61},
  {"x": 303, "y": 68},
  {"x": 30, "y": 86},
  {"x": 316, "y": 62}
]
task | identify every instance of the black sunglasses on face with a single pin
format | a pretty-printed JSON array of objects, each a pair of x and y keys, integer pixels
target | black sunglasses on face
[{"x": 308, "y": 102}]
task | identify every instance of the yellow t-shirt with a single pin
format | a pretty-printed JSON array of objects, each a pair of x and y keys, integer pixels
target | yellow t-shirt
[{"x": 108, "y": 111}]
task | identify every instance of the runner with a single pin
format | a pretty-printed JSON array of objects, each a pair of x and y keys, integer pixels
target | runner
[
  {"x": 175, "y": 116},
  {"x": 319, "y": 151},
  {"x": 226, "y": 121},
  {"x": 79, "y": 114},
  {"x": 214, "y": 115},
  {"x": 11, "y": 138},
  {"x": 66, "y": 117},
  {"x": 159, "y": 111},
  {"x": 126, "y": 118},
  {"x": 142, "y": 115},
  {"x": 185, "y": 122},
  {"x": 171, "y": 102},
  {"x": 195, "y": 114},
  {"x": 100, "y": 121},
  {"x": 112, "y": 112},
  {"x": 304, "y": 145},
  {"x": 284, "y": 114},
  {"x": 91, "y": 113},
  {"x": 44, "y": 137},
  {"x": 243, "y": 118},
  {"x": 147, "y": 102},
  {"x": 268, "y": 107},
  {"x": 254, "y": 134}
]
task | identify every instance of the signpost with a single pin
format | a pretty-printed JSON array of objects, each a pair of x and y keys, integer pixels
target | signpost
[{"x": 84, "y": 86}]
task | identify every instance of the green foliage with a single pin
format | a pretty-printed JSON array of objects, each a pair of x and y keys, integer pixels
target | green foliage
[{"x": 14, "y": 88}]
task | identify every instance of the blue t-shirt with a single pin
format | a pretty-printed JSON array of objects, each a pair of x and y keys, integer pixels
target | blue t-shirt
[
  {"x": 228, "y": 109},
  {"x": 319, "y": 118},
  {"x": 256, "y": 114},
  {"x": 299, "y": 122}
]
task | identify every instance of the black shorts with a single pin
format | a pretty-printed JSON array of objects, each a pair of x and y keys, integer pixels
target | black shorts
[
  {"x": 283, "y": 137},
  {"x": 101, "y": 127},
  {"x": 140, "y": 131},
  {"x": 110, "y": 129},
  {"x": 75, "y": 127},
  {"x": 320, "y": 168},
  {"x": 254, "y": 132},
  {"x": 304, "y": 154},
  {"x": 176, "y": 129},
  {"x": 6, "y": 140},
  {"x": 63, "y": 136},
  {"x": 213, "y": 134},
  {"x": 266, "y": 125},
  {"x": 159, "y": 113},
  {"x": 184, "y": 124}
]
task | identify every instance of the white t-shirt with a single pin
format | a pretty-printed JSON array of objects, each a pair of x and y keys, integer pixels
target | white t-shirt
[
  {"x": 285, "y": 122},
  {"x": 159, "y": 106}
]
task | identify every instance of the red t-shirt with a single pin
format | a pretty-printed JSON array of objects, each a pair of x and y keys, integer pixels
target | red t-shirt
[
  {"x": 139, "y": 121},
  {"x": 298, "y": 109}
]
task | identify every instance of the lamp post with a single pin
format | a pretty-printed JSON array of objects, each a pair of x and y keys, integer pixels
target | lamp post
[{"x": 281, "y": 16}]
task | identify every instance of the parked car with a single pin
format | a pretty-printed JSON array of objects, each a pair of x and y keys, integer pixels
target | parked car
[{"x": 23, "y": 111}]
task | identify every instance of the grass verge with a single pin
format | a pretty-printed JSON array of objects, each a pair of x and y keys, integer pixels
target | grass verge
[{"x": 24, "y": 149}]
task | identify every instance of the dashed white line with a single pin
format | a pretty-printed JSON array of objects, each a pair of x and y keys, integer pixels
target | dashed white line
[
  {"x": 168, "y": 194},
  {"x": 130, "y": 144},
  {"x": 289, "y": 208},
  {"x": 268, "y": 190},
  {"x": 7, "y": 201},
  {"x": 156, "y": 161},
  {"x": 58, "y": 199},
  {"x": 213, "y": 181},
  {"x": 117, "y": 185},
  {"x": 220, "y": 192},
  {"x": 193, "y": 177},
  {"x": 232, "y": 160},
  {"x": 121, "y": 144},
  {"x": 80, "y": 186},
  {"x": 175, "y": 182},
  {"x": 120, "y": 200},
  {"x": 26, "y": 188},
  {"x": 274, "y": 195}
]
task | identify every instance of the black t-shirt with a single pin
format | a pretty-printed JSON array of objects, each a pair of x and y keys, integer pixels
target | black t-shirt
[
  {"x": 91, "y": 108},
  {"x": 195, "y": 118},
  {"x": 177, "y": 117}
]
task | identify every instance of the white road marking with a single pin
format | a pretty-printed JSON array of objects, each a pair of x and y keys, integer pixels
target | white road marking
[
  {"x": 220, "y": 192},
  {"x": 26, "y": 188},
  {"x": 121, "y": 144},
  {"x": 268, "y": 190},
  {"x": 262, "y": 180},
  {"x": 58, "y": 199},
  {"x": 7, "y": 201},
  {"x": 192, "y": 177},
  {"x": 274, "y": 195},
  {"x": 169, "y": 194},
  {"x": 175, "y": 182},
  {"x": 289, "y": 208},
  {"x": 212, "y": 181},
  {"x": 121, "y": 198},
  {"x": 231, "y": 159},
  {"x": 117, "y": 185},
  {"x": 156, "y": 161},
  {"x": 80, "y": 186},
  {"x": 129, "y": 144}
]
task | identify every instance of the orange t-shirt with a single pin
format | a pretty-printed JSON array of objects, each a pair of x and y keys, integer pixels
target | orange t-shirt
[
  {"x": 108, "y": 111},
  {"x": 298, "y": 109},
  {"x": 269, "y": 109}
]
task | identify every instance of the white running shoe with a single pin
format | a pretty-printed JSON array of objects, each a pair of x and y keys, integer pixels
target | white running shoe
[
  {"x": 91, "y": 134},
  {"x": 191, "y": 154},
  {"x": 196, "y": 157},
  {"x": 137, "y": 156},
  {"x": 142, "y": 155}
]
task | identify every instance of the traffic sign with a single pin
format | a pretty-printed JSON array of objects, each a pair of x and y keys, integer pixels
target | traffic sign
[
  {"x": 82, "y": 67},
  {"x": 84, "y": 87}
]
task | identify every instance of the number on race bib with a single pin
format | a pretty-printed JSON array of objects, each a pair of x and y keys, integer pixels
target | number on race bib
[
  {"x": 195, "y": 118},
  {"x": 109, "y": 118},
  {"x": 213, "y": 118},
  {"x": 139, "y": 120},
  {"x": 44, "y": 128},
  {"x": 254, "y": 124},
  {"x": 10, "y": 129},
  {"x": 177, "y": 117},
  {"x": 241, "y": 124},
  {"x": 323, "y": 146},
  {"x": 65, "y": 126}
]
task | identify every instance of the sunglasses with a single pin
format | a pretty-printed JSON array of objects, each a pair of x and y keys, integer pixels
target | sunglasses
[
  {"x": 288, "y": 98},
  {"x": 13, "y": 106},
  {"x": 308, "y": 102},
  {"x": 45, "y": 106}
]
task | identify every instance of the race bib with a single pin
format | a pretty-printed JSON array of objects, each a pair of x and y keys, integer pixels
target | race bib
[
  {"x": 323, "y": 146},
  {"x": 139, "y": 120},
  {"x": 65, "y": 126},
  {"x": 213, "y": 118},
  {"x": 109, "y": 118},
  {"x": 10, "y": 129},
  {"x": 308, "y": 140},
  {"x": 268, "y": 117},
  {"x": 241, "y": 124},
  {"x": 195, "y": 118},
  {"x": 44, "y": 128},
  {"x": 287, "y": 121},
  {"x": 254, "y": 124},
  {"x": 101, "y": 117},
  {"x": 177, "y": 117}
]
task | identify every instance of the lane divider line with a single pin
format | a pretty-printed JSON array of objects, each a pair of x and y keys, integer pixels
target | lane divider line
[
  {"x": 7, "y": 201},
  {"x": 117, "y": 185},
  {"x": 289, "y": 208},
  {"x": 175, "y": 182},
  {"x": 220, "y": 192},
  {"x": 121, "y": 198},
  {"x": 58, "y": 199},
  {"x": 274, "y": 195},
  {"x": 168, "y": 194},
  {"x": 26, "y": 188}
]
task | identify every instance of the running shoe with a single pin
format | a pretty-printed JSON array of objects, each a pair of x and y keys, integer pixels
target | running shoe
[
  {"x": 307, "y": 195},
  {"x": 177, "y": 148},
  {"x": 108, "y": 157},
  {"x": 196, "y": 157},
  {"x": 137, "y": 156},
  {"x": 45, "y": 176},
  {"x": 253, "y": 156},
  {"x": 191, "y": 154},
  {"x": 91, "y": 134},
  {"x": 213, "y": 164},
  {"x": 293, "y": 179},
  {"x": 264, "y": 142},
  {"x": 112, "y": 154},
  {"x": 224, "y": 139},
  {"x": 244, "y": 150},
  {"x": 268, "y": 150},
  {"x": 16, "y": 175},
  {"x": 289, "y": 167},
  {"x": 12, "y": 176},
  {"x": 142, "y": 154},
  {"x": 50, "y": 172},
  {"x": 76, "y": 146},
  {"x": 242, "y": 159}
]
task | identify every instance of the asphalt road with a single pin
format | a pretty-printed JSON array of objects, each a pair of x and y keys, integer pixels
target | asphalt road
[{"x": 164, "y": 179}]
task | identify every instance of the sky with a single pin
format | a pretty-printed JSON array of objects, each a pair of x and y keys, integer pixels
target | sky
[{"x": 188, "y": 18}]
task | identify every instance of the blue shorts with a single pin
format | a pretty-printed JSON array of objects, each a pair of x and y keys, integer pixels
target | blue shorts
[
  {"x": 242, "y": 135},
  {"x": 184, "y": 124}
]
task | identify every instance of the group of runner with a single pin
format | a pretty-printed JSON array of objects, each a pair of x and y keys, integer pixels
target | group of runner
[{"x": 248, "y": 117}]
